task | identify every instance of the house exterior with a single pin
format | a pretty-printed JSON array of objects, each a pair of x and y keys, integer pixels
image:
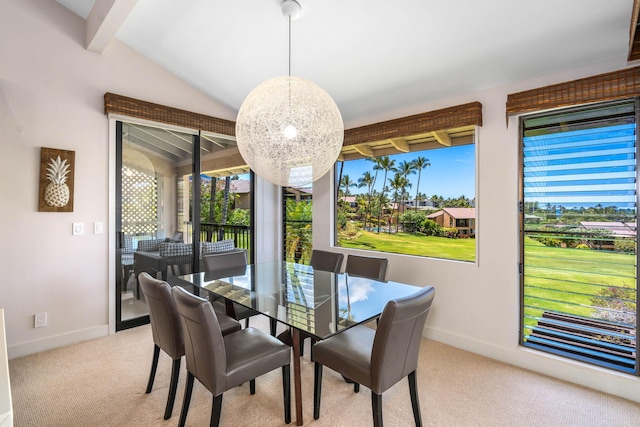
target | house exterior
[
  {"x": 610, "y": 231},
  {"x": 462, "y": 219},
  {"x": 242, "y": 188}
]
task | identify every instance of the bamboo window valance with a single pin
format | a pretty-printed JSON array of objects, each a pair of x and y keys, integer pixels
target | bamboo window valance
[
  {"x": 455, "y": 117},
  {"x": 118, "y": 104},
  {"x": 447, "y": 118},
  {"x": 603, "y": 87}
]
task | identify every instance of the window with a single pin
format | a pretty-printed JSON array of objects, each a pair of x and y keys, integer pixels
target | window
[
  {"x": 579, "y": 234},
  {"x": 297, "y": 223},
  {"x": 417, "y": 202}
]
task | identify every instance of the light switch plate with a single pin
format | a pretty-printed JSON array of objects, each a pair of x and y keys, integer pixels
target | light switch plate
[
  {"x": 97, "y": 228},
  {"x": 78, "y": 228}
]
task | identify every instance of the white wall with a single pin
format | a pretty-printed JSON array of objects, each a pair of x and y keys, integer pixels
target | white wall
[
  {"x": 51, "y": 95},
  {"x": 51, "y": 92},
  {"x": 477, "y": 305}
]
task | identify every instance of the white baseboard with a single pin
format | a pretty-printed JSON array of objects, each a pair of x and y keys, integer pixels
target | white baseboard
[
  {"x": 594, "y": 377},
  {"x": 30, "y": 347}
]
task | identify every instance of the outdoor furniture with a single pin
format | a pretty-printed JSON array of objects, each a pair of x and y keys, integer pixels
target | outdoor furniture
[
  {"x": 223, "y": 362},
  {"x": 158, "y": 255},
  {"x": 167, "y": 331},
  {"x": 380, "y": 358}
]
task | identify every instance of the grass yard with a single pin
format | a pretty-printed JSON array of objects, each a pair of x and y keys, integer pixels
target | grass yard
[
  {"x": 565, "y": 280},
  {"x": 556, "y": 279},
  {"x": 410, "y": 244}
]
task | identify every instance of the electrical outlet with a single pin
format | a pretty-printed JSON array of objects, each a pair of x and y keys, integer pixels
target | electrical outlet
[{"x": 40, "y": 320}]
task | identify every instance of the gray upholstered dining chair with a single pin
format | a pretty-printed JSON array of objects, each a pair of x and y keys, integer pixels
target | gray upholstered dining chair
[
  {"x": 380, "y": 358},
  {"x": 222, "y": 362},
  {"x": 326, "y": 260},
  {"x": 370, "y": 267},
  {"x": 167, "y": 331},
  {"x": 226, "y": 264}
]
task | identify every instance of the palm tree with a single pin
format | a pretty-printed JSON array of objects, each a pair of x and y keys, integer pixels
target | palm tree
[
  {"x": 225, "y": 206},
  {"x": 405, "y": 169},
  {"x": 420, "y": 163},
  {"x": 386, "y": 164},
  {"x": 346, "y": 183},
  {"x": 367, "y": 180},
  {"x": 398, "y": 184}
]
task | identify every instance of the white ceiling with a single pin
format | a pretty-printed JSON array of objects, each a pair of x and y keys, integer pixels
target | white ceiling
[{"x": 372, "y": 56}]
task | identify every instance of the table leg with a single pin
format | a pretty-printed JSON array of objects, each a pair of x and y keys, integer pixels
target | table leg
[{"x": 297, "y": 381}]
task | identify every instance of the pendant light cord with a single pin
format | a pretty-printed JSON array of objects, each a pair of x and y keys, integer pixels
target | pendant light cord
[{"x": 289, "y": 45}]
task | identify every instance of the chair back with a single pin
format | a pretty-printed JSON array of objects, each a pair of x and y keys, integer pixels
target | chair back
[
  {"x": 203, "y": 342},
  {"x": 396, "y": 345},
  {"x": 165, "y": 321},
  {"x": 369, "y": 267},
  {"x": 326, "y": 261},
  {"x": 224, "y": 264}
]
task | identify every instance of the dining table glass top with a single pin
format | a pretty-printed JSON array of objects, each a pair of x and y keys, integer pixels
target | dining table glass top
[{"x": 318, "y": 302}]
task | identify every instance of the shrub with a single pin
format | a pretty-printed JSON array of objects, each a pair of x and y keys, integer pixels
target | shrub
[
  {"x": 349, "y": 232},
  {"x": 625, "y": 245},
  {"x": 616, "y": 305}
]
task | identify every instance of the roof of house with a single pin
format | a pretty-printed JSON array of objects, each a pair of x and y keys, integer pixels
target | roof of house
[
  {"x": 461, "y": 213},
  {"x": 614, "y": 227}
]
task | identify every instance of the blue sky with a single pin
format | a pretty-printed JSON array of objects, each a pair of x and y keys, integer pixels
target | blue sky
[{"x": 451, "y": 174}]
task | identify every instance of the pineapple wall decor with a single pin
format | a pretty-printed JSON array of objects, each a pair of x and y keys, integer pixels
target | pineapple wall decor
[{"x": 56, "y": 180}]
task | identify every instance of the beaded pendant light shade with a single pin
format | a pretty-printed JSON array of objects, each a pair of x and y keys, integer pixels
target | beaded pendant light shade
[{"x": 288, "y": 129}]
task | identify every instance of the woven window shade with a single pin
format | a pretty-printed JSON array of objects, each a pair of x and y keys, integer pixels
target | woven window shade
[
  {"x": 118, "y": 104},
  {"x": 604, "y": 87},
  {"x": 447, "y": 118}
]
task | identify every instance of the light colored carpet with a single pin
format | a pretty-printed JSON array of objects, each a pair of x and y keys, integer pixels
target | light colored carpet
[{"x": 102, "y": 382}]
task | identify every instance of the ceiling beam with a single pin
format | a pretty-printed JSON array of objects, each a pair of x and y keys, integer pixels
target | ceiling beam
[
  {"x": 400, "y": 144},
  {"x": 634, "y": 34},
  {"x": 442, "y": 137},
  {"x": 103, "y": 22},
  {"x": 364, "y": 150}
]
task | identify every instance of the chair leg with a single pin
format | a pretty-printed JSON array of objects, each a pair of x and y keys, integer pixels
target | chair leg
[
  {"x": 246, "y": 322},
  {"x": 154, "y": 367},
  {"x": 216, "y": 410},
  {"x": 175, "y": 372},
  {"x": 317, "y": 390},
  {"x": 252, "y": 386},
  {"x": 273, "y": 323},
  {"x": 376, "y": 405},
  {"x": 415, "y": 401},
  {"x": 286, "y": 391},
  {"x": 356, "y": 386},
  {"x": 188, "y": 388}
]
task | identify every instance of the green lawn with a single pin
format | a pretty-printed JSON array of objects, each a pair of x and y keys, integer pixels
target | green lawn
[
  {"x": 565, "y": 280},
  {"x": 556, "y": 279},
  {"x": 410, "y": 244}
]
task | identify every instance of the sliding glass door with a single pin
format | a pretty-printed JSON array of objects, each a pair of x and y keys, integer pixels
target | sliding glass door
[{"x": 174, "y": 190}]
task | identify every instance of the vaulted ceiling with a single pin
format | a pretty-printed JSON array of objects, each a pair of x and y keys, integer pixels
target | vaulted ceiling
[{"x": 371, "y": 56}]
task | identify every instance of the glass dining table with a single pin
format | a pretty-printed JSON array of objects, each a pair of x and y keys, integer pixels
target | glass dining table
[{"x": 319, "y": 303}]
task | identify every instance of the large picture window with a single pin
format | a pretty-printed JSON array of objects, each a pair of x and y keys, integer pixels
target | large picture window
[
  {"x": 579, "y": 234},
  {"x": 417, "y": 202}
]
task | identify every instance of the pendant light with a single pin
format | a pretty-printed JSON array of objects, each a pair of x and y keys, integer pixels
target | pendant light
[{"x": 288, "y": 129}]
